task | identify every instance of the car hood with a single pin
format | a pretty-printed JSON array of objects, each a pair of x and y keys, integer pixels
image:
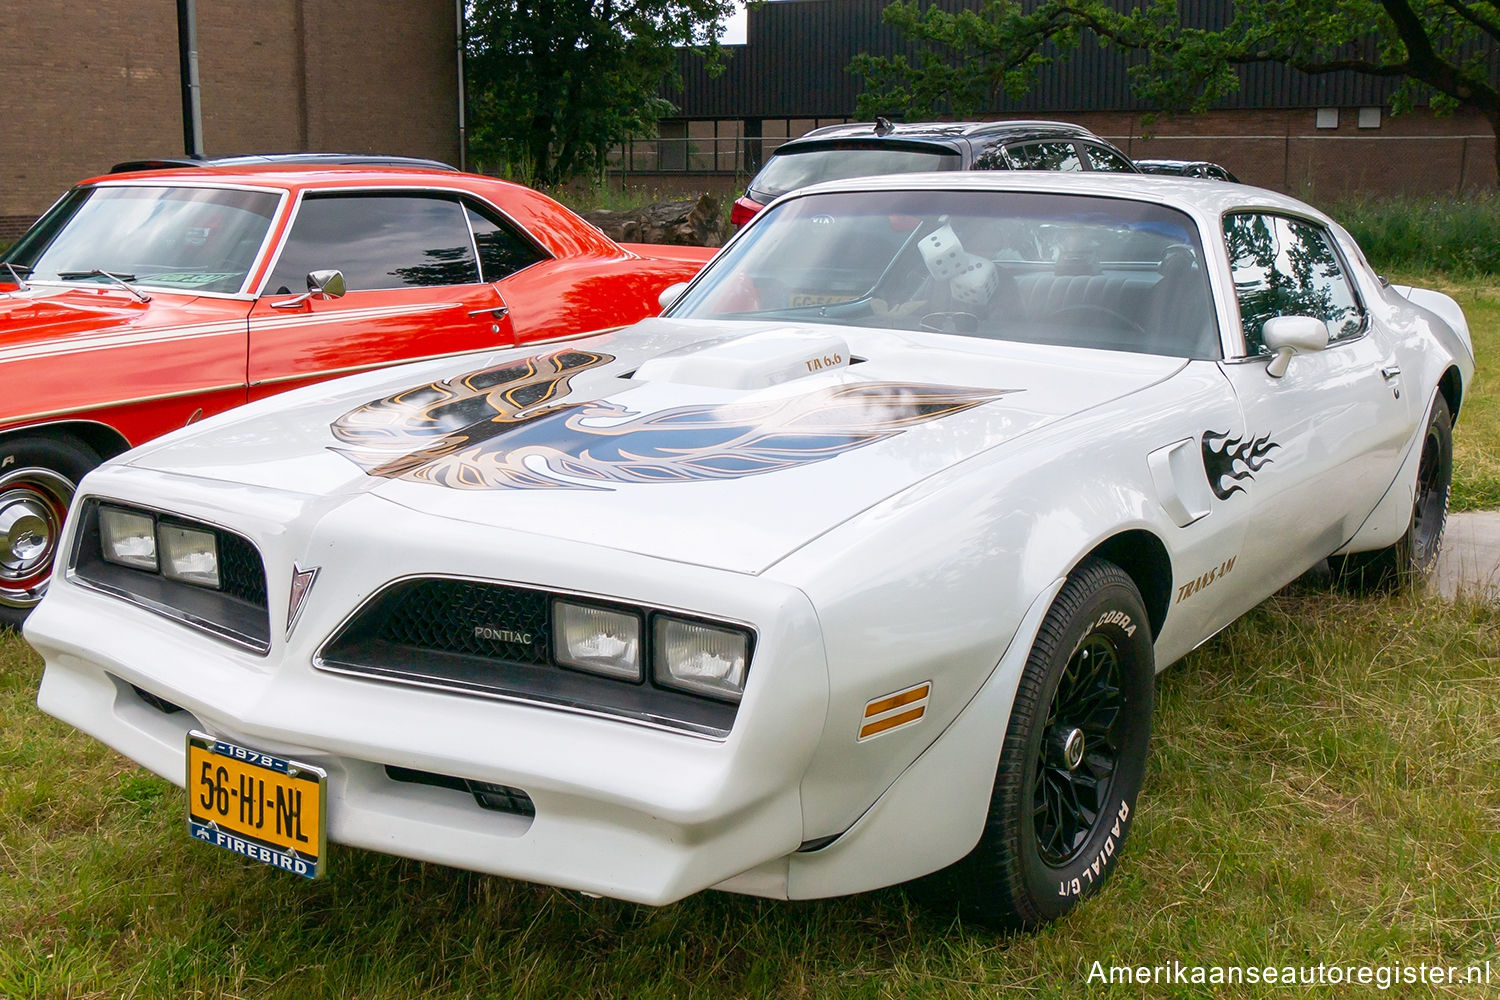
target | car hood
[
  {"x": 720, "y": 444},
  {"x": 48, "y": 313}
]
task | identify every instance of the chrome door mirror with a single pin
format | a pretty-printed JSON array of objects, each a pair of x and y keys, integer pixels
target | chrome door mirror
[
  {"x": 1288, "y": 335},
  {"x": 326, "y": 284},
  {"x": 320, "y": 285},
  {"x": 671, "y": 294}
]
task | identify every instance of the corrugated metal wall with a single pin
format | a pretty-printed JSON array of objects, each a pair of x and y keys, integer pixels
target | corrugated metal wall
[{"x": 794, "y": 65}]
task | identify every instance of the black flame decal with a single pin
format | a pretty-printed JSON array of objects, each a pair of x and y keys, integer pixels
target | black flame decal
[
  {"x": 1230, "y": 460},
  {"x": 514, "y": 427}
]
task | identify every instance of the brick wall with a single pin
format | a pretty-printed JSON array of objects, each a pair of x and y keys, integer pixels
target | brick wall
[
  {"x": 92, "y": 82},
  {"x": 1413, "y": 154}
]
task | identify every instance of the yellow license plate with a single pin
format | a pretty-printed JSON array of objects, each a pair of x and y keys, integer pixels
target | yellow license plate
[
  {"x": 257, "y": 805},
  {"x": 801, "y": 300}
]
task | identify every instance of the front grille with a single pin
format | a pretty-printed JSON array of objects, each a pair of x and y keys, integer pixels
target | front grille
[
  {"x": 238, "y": 611},
  {"x": 495, "y": 640},
  {"x": 470, "y": 619},
  {"x": 241, "y": 572}
]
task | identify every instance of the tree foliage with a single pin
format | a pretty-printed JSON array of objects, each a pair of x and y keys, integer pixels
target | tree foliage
[
  {"x": 1442, "y": 52},
  {"x": 554, "y": 84}
]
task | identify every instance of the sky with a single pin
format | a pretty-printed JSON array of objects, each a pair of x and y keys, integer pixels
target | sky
[{"x": 734, "y": 28}]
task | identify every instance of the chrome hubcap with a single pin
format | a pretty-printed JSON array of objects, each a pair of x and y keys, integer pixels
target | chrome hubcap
[{"x": 33, "y": 503}]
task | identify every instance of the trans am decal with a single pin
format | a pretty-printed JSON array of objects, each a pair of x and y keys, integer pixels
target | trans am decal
[
  {"x": 1229, "y": 461},
  {"x": 507, "y": 428}
]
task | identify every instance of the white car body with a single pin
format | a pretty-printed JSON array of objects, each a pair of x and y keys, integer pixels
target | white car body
[{"x": 928, "y": 556}]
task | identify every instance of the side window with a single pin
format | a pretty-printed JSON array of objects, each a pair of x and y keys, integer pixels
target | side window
[
  {"x": 378, "y": 241},
  {"x": 1107, "y": 159},
  {"x": 1287, "y": 267},
  {"x": 1044, "y": 156},
  {"x": 503, "y": 250}
]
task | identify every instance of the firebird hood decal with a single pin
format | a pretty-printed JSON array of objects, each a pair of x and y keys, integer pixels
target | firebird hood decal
[
  {"x": 506, "y": 428},
  {"x": 1230, "y": 461}
]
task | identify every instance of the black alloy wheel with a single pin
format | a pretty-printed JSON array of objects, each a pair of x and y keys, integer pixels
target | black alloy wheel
[
  {"x": 1412, "y": 558},
  {"x": 1071, "y": 764},
  {"x": 1080, "y": 751}
]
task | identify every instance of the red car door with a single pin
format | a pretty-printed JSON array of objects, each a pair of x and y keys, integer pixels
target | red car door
[{"x": 414, "y": 289}]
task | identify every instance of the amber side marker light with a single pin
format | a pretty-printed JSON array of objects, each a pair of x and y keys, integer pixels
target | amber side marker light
[{"x": 893, "y": 711}]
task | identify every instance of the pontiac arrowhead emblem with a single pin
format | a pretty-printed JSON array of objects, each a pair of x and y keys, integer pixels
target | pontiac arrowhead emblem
[{"x": 302, "y": 581}]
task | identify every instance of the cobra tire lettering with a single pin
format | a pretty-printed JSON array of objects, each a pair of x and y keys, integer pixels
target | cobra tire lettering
[
  {"x": 1096, "y": 868},
  {"x": 1119, "y": 618},
  {"x": 7, "y": 460}
]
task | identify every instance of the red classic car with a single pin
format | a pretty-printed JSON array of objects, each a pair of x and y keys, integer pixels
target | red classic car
[{"x": 143, "y": 301}]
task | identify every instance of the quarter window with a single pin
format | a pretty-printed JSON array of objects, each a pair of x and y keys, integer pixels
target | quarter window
[
  {"x": 503, "y": 250},
  {"x": 1288, "y": 267},
  {"x": 378, "y": 241},
  {"x": 1108, "y": 160}
]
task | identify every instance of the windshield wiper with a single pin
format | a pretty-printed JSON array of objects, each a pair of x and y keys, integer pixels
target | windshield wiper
[{"x": 118, "y": 277}]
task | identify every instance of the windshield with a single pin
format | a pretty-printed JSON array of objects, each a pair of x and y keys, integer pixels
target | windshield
[
  {"x": 1041, "y": 268},
  {"x": 790, "y": 169},
  {"x": 194, "y": 239}
]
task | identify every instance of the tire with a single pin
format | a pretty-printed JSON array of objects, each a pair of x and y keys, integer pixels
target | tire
[
  {"x": 38, "y": 476},
  {"x": 1089, "y": 678},
  {"x": 1411, "y": 560}
]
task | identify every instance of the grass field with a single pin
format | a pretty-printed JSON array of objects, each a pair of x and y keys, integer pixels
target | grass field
[{"x": 1324, "y": 787}]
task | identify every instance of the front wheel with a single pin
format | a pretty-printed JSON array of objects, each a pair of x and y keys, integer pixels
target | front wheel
[
  {"x": 38, "y": 476},
  {"x": 1413, "y": 557},
  {"x": 1073, "y": 758}
]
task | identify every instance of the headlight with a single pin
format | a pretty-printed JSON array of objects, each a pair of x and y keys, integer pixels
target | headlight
[
  {"x": 189, "y": 555},
  {"x": 599, "y": 640},
  {"x": 128, "y": 538},
  {"x": 700, "y": 658}
]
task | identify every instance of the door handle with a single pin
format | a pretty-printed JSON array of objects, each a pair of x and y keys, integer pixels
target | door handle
[
  {"x": 498, "y": 312},
  {"x": 1392, "y": 376}
]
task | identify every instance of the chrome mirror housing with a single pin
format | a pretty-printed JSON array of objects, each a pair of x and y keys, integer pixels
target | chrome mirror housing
[
  {"x": 1289, "y": 335},
  {"x": 326, "y": 284},
  {"x": 671, "y": 294}
]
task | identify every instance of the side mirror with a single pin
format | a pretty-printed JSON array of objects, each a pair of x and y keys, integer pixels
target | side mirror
[
  {"x": 320, "y": 285},
  {"x": 326, "y": 284},
  {"x": 671, "y": 294},
  {"x": 1288, "y": 335}
]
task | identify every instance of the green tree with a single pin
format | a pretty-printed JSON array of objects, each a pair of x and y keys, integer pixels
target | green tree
[
  {"x": 554, "y": 84},
  {"x": 1441, "y": 52}
]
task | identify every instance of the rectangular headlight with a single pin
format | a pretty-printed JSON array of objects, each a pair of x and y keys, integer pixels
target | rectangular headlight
[
  {"x": 701, "y": 658},
  {"x": 189, "y": 555},
  {"x": 599, "y": 640},
  {"x": 128, "y": 538}
]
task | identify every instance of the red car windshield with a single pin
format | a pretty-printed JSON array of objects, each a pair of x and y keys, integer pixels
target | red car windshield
[
  {"x": 188, "y": 238},
  {"x": 796, "y": 168}
]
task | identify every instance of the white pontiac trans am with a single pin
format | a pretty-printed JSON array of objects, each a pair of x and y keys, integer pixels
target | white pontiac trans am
[{"x": 854, "y": 566}]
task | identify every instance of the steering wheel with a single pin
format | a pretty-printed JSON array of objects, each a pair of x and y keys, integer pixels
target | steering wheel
[
  {"x": 951, "y": 322},
  {"x": 1085, "y": 309}
]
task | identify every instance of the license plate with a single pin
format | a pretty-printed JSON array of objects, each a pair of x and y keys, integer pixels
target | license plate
[
  {"x": 802, "y": 300},
  {"x": 262, "y": 807}
]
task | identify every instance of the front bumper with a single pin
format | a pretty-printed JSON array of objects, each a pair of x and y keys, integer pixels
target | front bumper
[{"x": 620, "y": 809}]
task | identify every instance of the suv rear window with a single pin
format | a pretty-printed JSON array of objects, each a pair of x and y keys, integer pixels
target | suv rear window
[{"x": 797, "y": 168}]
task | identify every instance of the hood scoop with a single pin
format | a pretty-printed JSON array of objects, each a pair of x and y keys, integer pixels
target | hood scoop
[{"x": 753, "y": 361}]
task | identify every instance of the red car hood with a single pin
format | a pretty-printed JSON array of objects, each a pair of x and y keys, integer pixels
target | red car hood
[{"x": 63, "y": 348}]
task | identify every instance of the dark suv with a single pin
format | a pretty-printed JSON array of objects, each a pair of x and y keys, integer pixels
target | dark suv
[{"x": 860, "y": 149}]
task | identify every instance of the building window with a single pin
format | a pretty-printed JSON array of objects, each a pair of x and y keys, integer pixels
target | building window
[
  {"x": 1369, "y": 117},
  {"x": 1328, "y": 118}
]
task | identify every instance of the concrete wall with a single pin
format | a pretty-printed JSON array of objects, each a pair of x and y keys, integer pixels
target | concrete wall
[{"x": 93, "y": 82}]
